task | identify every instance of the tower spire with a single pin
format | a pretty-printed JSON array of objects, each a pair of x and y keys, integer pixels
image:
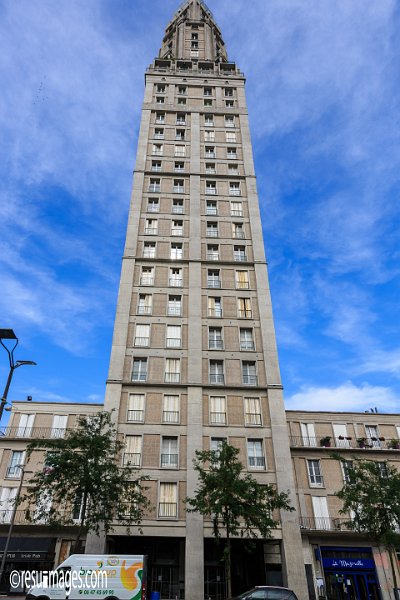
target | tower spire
[{"x": 193, "y": 34}]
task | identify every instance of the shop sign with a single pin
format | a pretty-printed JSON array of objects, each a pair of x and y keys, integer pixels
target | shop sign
[
  {"x": 348, "y": 563},
  {"x": 25, "y": 556}
]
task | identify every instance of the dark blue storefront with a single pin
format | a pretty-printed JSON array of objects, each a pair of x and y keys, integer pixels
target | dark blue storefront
[{"x": 350, "y": 573}]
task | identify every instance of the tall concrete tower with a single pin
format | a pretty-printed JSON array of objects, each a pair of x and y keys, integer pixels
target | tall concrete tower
[{"x": 194, "y": 358}]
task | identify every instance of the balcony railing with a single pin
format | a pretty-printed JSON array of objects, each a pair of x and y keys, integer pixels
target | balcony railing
[
  {"x": 211, "y": 191},
  {"x": 172, "y": 377},
  {"x": 234, "y": 192},
  {"x": 144, "y": 310},
  {"x": 146, "y": 280},
  {"x": 238, "y": 234},
  {"x": 217, "y": 378},
  {"x": 245, "y": 314},
  {"x": 153, "y": 207},
  {"x": 250, "y": 379},
  {"x": 344, "y": 443},
  {"x": 174, "y": 342},
  {"x": 239, "y": 257},
  {"x": 242, "y": 285},
  {"x": 170, "y": 416},
  {"x": 179, "y": 189},
  {"x": 218, "y": 418},
  {"x": 135, "y": 415},
  {"x": 168, "y": 509},
  {"x": 252, "y": 419},
  {"x": 131, "y": 459},
  {"x": 174, "y": 311},
  {"x": 32, "y": 432},
  {"x": 154, "y": 188},
  {"x": 317, "y": 481},
  {"x": 177, "y": 231},
  {"x": 213, "y": 283},
  {"x": 175, "y": 281},
  {"x": 215, "y": 312},
  {"x": 177, "y": 209},
  {"x": 141, "y": 341},
  {"x": 212, "y": 232},
  {"x": 236, "y": 213},
  {"x": 215, "y": 344},
  {"x": 169, "y": 460},
  {"x": 211, "y": 210},
  {"x": 139, "y": 376},
  {"x": 212, "y": 256},
  {"x": 324, "y": 523},
  {"x": 257, "y": 462},
  {"x": 151, "y": 230},
  {"x": 247, "y": 345}
]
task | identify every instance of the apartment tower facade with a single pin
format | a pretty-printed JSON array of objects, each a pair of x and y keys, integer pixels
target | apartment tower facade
[{"x": 194, "y": 356}]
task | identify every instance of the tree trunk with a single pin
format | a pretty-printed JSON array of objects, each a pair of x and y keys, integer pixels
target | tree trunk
[
  {"x": 81, "y": 525},
  {"x": 228, "y": 565}
]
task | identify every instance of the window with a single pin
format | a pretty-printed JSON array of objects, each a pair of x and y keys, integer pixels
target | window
[
  {"x": 239, "y": 253},
  {"x": 177, "y": 207},
  {"x": 230, "y": 137},
  {"x": 228, "y": 92},
  {"x": 160, "y": 118},
  {"x": 242, "y": 280},
  {"x": 214, "y": 307},
  {"x": 182, "y": 90},
  {"x": 207, "y": 91},
  {"x": 194, "y": 53},
  {"x": 217, "y": 371},
  {"x": 212, "y": 252},
  {"x": 180, "y": 134},
  {"x": 213, "y": 279},
  {"x": 249, "y": 373},
  {"x": 216, "y": 444},
  {"x": 153, "y": 205},
  {"x": 233, "y": 170},
  {"x": 229, "y": 121},
  {"x": 211, "y": 207},
  {"x": 168, "y": 504},
  {"x": 160, "y": 100},
  {"x": 346, "y": 465},
  {"x": 145, "y": 304},
  {"x": 238, "y": 231},
  {"x": 236, "y": 209},
  {"x": 174, "y": 336},
  {"x": 209, "y": 136},
  {"x": 211, "y": 188},
  {"x": 231, "y": 153},
  {"x": 210, "y": 168},
  {"x": 181, "y": 101},
  {"x": 314, "y": 473},
  {"x": 170, "y": 409},
  {"x": 175, "y": 277},
  {"x": 25, "y": 425},
  {"x": 383, "y": 469},
  {"x": 208, "y": 102},
  {"x": 160, "y": 88},
  {"x": 135, "y": 408},
  {"x": 7, "y": 501},
  {"x": 234, "y": 189},
  {"x": 172, "y": 370},
  {"x": 147, "y": 276},
  {"x": 229, "y": 103},
  {"x": 217, "y": 410},
  {"x": 139, "y": 371},
  {"x": 169, "y": 452},
  {"x": 176, "y": 252},
  {"x": 179, "y": 187},
  {"x": 215, "y": 341},
  {"x": 246, "y": 339},
  {"x": 321, "y": 513},
  {"x": 181, "y": 119},
  {"x": 159, "y": 133},
  {"x": 174, "y": 308},
  {"x": 340, "y": 435},
  {"x": 179, "y": 166},
  {"x": 151, "y": 227},
  {"x": 209, "y": 120},
  {"x": 133, "y": 451},
  {"x": 149, "y": 250},
  {"x": 59, "y": 426},
  {"x": 142, "y": 335},
  {"x": 252, "y": 411},
  {"x": 209, "y": 151},
  {"x": 308, "y": 434},
  {"x": 372, "y": 435},
  {"x": 155, "y": 186},
  {"x": 255, "y": 454},
  {"x": 16, "y": 461},
  {"x": 157, "y": 150},
  {"x": 180, "y": 150},
  {"x": 212, "y": 229},
  {"x": 244, "y": 308},
  {"x": 177, "y": 228}
]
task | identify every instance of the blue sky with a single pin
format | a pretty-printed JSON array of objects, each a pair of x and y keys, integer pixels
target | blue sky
[{"x": 323, "y": 90}]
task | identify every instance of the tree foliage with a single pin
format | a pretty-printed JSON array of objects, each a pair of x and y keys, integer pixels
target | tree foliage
[
  {"x": 372, "y": 495},
  {"x": 81, "y": 474},
  {"x": 237, "y": 504}
]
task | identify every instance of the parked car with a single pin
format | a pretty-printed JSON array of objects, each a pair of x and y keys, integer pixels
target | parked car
[{"x": 267, "y": 592}]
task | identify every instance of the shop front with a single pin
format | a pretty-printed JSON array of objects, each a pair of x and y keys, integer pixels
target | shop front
[
  {"x": 349, "y": 573},
  {"x": 25, "y": 553}
]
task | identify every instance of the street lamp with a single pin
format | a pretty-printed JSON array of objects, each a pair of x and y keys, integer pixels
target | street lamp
[{"x": 8, "y": 334}]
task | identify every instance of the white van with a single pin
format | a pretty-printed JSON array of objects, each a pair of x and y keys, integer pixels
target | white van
[{"x": 107, "y": 576}]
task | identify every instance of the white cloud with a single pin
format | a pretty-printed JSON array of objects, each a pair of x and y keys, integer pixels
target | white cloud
[{"x": 345, "y": 398}]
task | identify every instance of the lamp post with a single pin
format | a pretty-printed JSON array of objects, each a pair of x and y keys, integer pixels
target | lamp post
[
  {"x": 14, "y": 512},
  {"x": 8, "y": 334}
]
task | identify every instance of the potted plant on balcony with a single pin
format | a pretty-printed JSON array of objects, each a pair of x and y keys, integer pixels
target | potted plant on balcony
[
  {"x": 348, "y": 438},
  {"x": 381, "y": 439},
  {"x": 341, "y": 437},
  {"x": 362, "y": 442},
  {"x": 325, "y": 442},
  {"x": 394, "y": 444}
]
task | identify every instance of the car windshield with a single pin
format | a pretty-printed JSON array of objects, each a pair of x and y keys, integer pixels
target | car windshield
[{"x": 268, "y": 594}]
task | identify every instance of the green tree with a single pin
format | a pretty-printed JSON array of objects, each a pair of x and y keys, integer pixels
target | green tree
[
  {"x": 237, "y": 504},
  {"x": 371, "y": 494},
  {"x": 81, "y": 475}
]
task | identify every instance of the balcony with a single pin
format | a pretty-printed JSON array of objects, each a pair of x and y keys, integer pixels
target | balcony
[
  {"x": 174, "y": 311},
  {"x": 135, "y": 416},
  {"x": 42, "y": 433},
  {"x": 211, "y": 191},
  {"x": 234, "y": 192},
  {"x": 256, "y": 462},
  {"x": 211, "y": 210},
  {"x": 218, "y": 378},
  {"x": 210, "y": 154},
  {"x": 153, "y": 207},
  {"x": 158, "y": 136},
  {"x": 324, "y": 524},
  {"x": 250, "y": 379},
  {"x": 131, "y": 459},
  {"x": 215, "y": 344},
  {"x": 168, "y": 510},
  {"x": 239, "y": 257},
  {"x": 178, "y": 189},
  {"x": 151, "y": 230},
  {"x": 181, "y": 121},
  {"x": 144, "y": 310},
  {"x": 146, "y": 280},
  {"x": 213, "y": 282},
  {"x": 172, "y": 377},
  {"x": 20, "y": 517},
  {"x": 344, "y": 443},
  {"x": 177, "y": 231},
  {"x": 212, "y": 232},
  {"x": 175, "y": 282},
  {"x": 170, "y": 416},
  {"x": 169, "y": 460},
  {"x": 177, "y": 209}
]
